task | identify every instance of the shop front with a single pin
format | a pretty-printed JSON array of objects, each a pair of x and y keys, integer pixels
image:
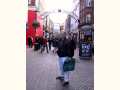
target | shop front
[
  {"x": 86, "y": 42},
  {"x": 34, "y": 27}
]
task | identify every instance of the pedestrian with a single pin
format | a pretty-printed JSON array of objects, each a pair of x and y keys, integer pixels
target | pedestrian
[
  {"x": 39, "y": 43},
  {"x": 54, "y": 44},
  {"x": 50, "y": 42},
  {"x": 42, "y": 44},
  {"x": 45, "y": 44},
  {"x": 65, "y": 49},
  {"x": 30, "y": 42}
]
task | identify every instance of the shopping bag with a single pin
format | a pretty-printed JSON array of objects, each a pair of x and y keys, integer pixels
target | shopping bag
[{"x": 69, "y": 64}]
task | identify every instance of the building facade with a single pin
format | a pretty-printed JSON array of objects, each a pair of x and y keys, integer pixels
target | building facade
[
  {"x": 33, "y": 16},
  {"x": 67, "y": 24},
  {"x": 86, "y": 11},
  {"x": 86, "y": 25},
  {"x": 74, "y": 21}
]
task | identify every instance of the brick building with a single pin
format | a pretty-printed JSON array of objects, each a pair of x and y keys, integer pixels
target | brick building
[
  {"x": 86, "y": 12},
  {"x": 86, "y": 18}
]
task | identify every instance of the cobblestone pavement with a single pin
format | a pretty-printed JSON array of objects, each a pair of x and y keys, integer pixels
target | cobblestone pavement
[{"x": 42, "y": 69}]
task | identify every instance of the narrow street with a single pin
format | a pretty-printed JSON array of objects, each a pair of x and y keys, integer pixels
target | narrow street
[{"x": 42, "y": 70}]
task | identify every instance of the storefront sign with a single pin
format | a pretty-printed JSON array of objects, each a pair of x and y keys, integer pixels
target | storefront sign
[{"x": 85, "y": 50}]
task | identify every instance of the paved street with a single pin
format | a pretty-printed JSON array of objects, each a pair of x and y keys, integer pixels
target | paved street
[{"x": 42, "y": 69}]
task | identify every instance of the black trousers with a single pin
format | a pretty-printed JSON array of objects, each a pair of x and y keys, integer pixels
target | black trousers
[{"x": 49, "y": 46}]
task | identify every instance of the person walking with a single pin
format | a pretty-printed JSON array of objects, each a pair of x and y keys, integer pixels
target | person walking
[
  {"x": 45, "y": 44},
  {"x": 42, "y": 44},
  {"x": 54, "y": 44},
  {"x": 50, "y": 42},
  {"x": 65, "y": 49},
  {"x": 61, "y": 52},
  {"x": 36, "y": 45},
  {"x": 30, "y": 42}
]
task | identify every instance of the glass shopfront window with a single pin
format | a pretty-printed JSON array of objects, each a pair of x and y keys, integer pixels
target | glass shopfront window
[
  {"x": 88, "y": 18},
  {"x": 88, "y": 3}
]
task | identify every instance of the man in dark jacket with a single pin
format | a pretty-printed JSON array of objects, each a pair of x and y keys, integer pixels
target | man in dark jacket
[
  {"x": 66, "y": 48},
  {"x": 62, "y": 54}
]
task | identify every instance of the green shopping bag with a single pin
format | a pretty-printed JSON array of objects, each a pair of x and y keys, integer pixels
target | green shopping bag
[{"x": 69, "y": 64}]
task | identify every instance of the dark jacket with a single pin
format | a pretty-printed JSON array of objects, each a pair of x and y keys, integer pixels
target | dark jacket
[
  {"x": 66, "y": 48},
  {"x": 50, "y": 41},
  {"x": 62, "y": 50},
  {"x": 45, "y": 41},
  {"x": 55, "y": 42},
  {"x": 71, "y": 46}
]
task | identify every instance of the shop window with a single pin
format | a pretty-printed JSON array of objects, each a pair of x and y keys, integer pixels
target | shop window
[
  {"x": 88, "y": 3},
  {"x": 88, "y": 18}
]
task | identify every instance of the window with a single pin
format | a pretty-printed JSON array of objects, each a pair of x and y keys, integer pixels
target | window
[
  {"x": 31, "y": 2},
  {"x": 88, "y": 18},
  {"x": 88, "y": 3}
]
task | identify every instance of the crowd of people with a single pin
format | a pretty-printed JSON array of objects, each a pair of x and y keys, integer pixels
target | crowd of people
[
  {"x": 42, "y": 43},
  {"x": 63, "y": 46}
]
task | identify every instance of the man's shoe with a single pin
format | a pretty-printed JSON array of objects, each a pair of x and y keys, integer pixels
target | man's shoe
[
  {"x": 65, "y": 83},
  {"x": 60, "y": 78}
]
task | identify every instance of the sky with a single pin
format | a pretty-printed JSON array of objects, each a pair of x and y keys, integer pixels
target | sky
[
  {"x": 58, "y": 17},
  {"x": 51, "y": 5}
]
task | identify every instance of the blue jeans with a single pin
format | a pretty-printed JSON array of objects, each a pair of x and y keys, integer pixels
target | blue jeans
[{"x": 62, "y": 73}]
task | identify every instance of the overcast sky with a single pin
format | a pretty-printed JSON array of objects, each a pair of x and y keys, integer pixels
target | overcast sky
[{"x": 58, "y": 4}]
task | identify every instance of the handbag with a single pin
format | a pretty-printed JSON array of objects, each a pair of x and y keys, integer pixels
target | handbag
[{"x": 69, "y": 64}]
